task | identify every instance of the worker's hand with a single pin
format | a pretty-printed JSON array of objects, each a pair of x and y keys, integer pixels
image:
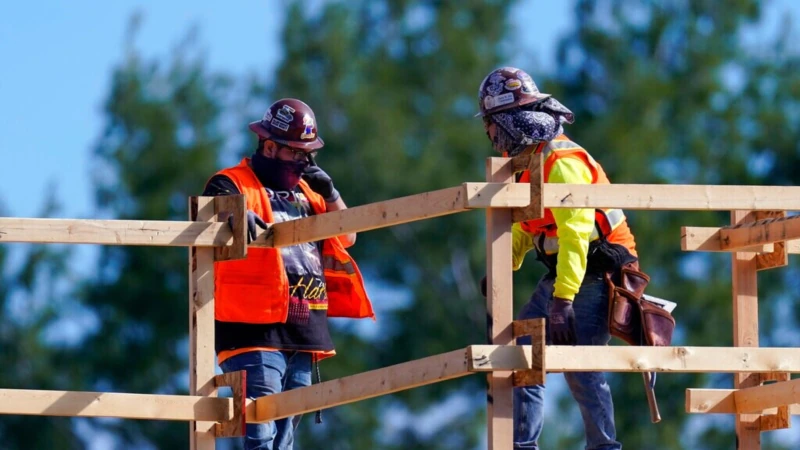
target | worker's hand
[
  {"x": 253, "y": 219},
  {"x": 562, "y": 322},
  {"x": 483, "y": 286},
  {"x": 321, "y": 183}
]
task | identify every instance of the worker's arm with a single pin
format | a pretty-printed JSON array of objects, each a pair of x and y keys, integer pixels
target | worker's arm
[{"x": 575, "y": 226}]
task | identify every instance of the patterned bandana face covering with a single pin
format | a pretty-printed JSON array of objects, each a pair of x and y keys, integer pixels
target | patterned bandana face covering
[{"x": 519, "y": 128}]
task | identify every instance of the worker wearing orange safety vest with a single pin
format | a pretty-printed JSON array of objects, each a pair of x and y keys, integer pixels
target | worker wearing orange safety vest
[
  {"x": 271, "y": 308},
  {"x": 577, "y": 245}
]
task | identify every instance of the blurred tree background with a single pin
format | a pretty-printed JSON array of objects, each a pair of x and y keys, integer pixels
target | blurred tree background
[{"x": 663, "y": 92}]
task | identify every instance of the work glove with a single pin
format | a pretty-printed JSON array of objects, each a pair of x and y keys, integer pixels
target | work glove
[
  {"x": 562, "y": 322},
  {"x": 253, "y": 219},
  {"x": 321, "y": 183}
]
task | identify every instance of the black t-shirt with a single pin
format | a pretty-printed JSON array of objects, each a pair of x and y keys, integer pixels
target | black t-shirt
[{"x": 306, "y": 327}]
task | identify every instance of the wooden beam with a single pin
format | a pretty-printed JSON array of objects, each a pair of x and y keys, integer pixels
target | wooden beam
[
  {"x": 110, "y": 404},
  {"x": 706, "y": 239},
  {"x": 394, "y": 212},
  {"x": 781, "y": 419},
  {"x": 491, "y": 358},
  {"x": 202, "y": 364},
  {"x": 499, "y": 309},
  {"x": 671, "y": 197},
  {"x": 226, "y": 206},
  {"x": 671, "y": 359},
  {"x": 374, "y": 383},
  {"x": 115, "y": 232},
  {"x": 722, "y": 401},
  {"x": 745, "y": 329},
  {"x": 535, "y": 328},
  {"x": 779, "y": 256},
  {"x": 534, "y": 210},
  {"x": 236, "y": 425},
  {"x": 758, "y": 398},
  {"x": 759, "y": 232}
]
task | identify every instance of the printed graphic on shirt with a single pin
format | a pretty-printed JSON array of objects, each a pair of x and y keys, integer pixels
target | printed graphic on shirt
[{"x": 303, "y": 262}]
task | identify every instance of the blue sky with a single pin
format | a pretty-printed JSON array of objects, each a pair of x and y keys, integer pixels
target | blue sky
[{"x": 55, "y": 64}]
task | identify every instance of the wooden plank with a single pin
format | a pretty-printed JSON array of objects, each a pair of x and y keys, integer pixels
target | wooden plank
[
  {"x": 236, "y": 425},
  {"x": 758, "y": 398},
  {"x": 671, "y": 197},
  {"x": 232, "y": 206},
  {"x": 115, "y": 232},
  {"x": 706, "y": 239},
  {"x": 394, "y": 212},
  {"x": 534, "y": 210},
  {"x": 745, "y": 329},
  {"x": 202, "y": 364},
  {"x": 779, "y": 257},
  {"x": 388, "y": 380},
  {"x": 721, "y": 401},
  {"x": 781, "y": 418},
  {"x": 111, "y": 404},
  {"x": 499, "y": 308},
  {"x": 758, "y": 232},
  {"x": 535, "y": 328},
  {"x": 671, "y": 359},
  {"x": 490, "y": 358}
]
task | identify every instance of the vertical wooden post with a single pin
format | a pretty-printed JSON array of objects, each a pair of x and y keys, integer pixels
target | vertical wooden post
[
  {"x": 500, "y": 309},
  {"x": 202, "y": 365},
  {"x": 745, "y": 331}
]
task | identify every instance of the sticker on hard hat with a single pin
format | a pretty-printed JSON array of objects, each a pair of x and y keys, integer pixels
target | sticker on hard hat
[
  {"x": 267, "y": 116},
  {"x": 285, "y": 114},
  {"x": 277, "y": 123},
  {"x": 513, "y": 84},
  {"x": 308, "y": 132}
]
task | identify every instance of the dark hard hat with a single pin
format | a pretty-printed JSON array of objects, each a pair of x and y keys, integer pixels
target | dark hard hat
[
  {"x": 506, "y": 88},
  {"x": 290, "y": 122}
]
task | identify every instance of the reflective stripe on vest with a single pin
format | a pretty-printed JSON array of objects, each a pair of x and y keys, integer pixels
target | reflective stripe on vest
[{"x": 332, "y": 264}]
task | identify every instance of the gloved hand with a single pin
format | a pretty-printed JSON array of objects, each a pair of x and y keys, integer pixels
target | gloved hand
[
  {"x": 483, "y": 286},
  {"x": 321, "y": 183},
  {"x": 253, "y": 219},
  {"x": 562, "y": 322}
]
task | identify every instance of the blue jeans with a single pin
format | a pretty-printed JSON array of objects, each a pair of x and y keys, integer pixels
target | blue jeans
[
  {"x": 270, "y": 373},
  {"x": 589, "y": 389}
]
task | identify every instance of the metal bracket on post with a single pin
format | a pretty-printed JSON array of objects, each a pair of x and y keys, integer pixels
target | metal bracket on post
[
  {"x": 535, "y": 329},
  {"x": 236, "y": 425},
  {"x": 532, "y": 163}
]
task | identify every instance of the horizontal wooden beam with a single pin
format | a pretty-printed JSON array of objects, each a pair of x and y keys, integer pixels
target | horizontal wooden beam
[
  {"x": 672, "y": 359},
  {"x": 760, "y": 232},
  {"x": 672, "y": 197},
  {"x": 115, "y": 232},
  {"x": 722, "y": 401},
  {"x": 707, "y": 239},
  {"x": 758, "y": 398},
  {"x": 108, "y": 404},
  {"x": 395, "y": 212},
  {"x": 407, "y": 375}
]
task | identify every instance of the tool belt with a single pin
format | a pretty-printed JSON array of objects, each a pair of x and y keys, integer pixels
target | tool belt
[{"x": 632, "y": 318}]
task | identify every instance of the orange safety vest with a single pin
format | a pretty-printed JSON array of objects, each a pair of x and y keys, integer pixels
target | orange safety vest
[
  {"x": 256, "y": 289},
  {"x": 610, "y": 222}
]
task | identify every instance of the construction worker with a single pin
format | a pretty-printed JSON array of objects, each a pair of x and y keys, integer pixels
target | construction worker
[
  {"x": 577, "y": 245},
  {"x": 272, "y": 308}
]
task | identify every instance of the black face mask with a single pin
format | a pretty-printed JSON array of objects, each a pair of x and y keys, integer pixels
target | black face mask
[{"x": 277, "y": 174}]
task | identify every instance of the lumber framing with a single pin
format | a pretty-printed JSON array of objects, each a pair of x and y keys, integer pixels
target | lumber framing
[
  {"x": 671, "y": 197},
  {"x": 110, "y": 404},
  {"x": 202, "y": 361},
  {"x": 723, "y": 401},
  {"x": 759, "y": 232},
  {"x": 671, "y": 359},
  {"x": 500, "y": 308},
  {"x": 115, "y": 232},
  {"x": 396, "y": 211}
]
